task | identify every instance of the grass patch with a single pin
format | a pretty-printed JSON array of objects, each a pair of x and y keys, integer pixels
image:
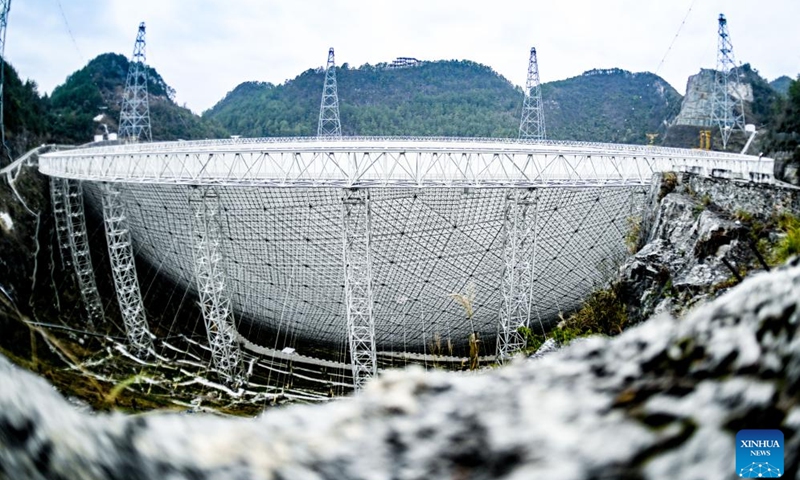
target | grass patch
[
  {"x": 634, "y": 234},
  {"x": 603, "y": 313},
  {"x": 669, "y": 182},
  {"x": 789, "y": 244},
  {"x": 743, "y": 216}
]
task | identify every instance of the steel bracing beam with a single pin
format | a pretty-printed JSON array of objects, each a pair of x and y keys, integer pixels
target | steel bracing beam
[
  {"x": 356, "y": 233},
  {"x": 79, "y": 245},
  {"x": 211, "y": 286},
  {"x": 58, "y": 202},
  {"x": 123, "y": 269},
  {"x": 519, "y": 230}
]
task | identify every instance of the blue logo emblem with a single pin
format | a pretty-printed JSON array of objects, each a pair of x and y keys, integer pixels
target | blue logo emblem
[{"x": 759, "y": 454}]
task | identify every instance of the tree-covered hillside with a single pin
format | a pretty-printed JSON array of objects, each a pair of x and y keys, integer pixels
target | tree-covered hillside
[
  {"x": 97, "y": 88},
  {"x": 25, "y": 115},
  {"x": 609, "y": 105},
  {"x": 452, "y": 98},
  {"x": 784, "y": 138},
  {"x": 67, "y": 115},
  {"x": 781, "y": 84}
]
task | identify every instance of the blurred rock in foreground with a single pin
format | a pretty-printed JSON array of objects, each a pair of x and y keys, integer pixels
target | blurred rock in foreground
[{"x": 662, "y": 400}]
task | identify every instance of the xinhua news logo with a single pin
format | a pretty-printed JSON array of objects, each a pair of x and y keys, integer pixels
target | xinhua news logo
[{"x": 759, "y": 453}]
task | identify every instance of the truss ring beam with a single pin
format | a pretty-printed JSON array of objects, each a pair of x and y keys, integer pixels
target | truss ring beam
[
  {"x": 356, "y": 236},
  {"x": 357, "y": 162},
  {"x": 211, "y": 286},
  {"x": 123, "y": 269},
  {"x": 519, "y": 231}
]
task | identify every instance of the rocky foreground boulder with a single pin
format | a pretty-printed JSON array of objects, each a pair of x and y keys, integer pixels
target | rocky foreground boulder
[{"x": 662, "y": 400}]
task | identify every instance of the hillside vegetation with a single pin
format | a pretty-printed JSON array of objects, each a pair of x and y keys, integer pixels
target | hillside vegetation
[
  {"x": 453, "y": 98},
  {"x": 67, "y": 115},
  {"x": 448, "y": 98}
]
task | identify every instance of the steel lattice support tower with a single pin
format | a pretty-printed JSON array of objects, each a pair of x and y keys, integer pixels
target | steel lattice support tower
[
  {"x": 727, "y": 104},
  {"x": 211, "y": 286},
  {"x": 79, "y": 245},
  {"x": 329, "y": 124},
  {"x": 134, "y": 118},
  {"x": 532, "y": 124},
  {"x": 356, "y": 235},
  {"x": 57, "y": 186},
  {"x": 123, "y": 268},
  {"x": 5, "y": 7},
  {"x": 519, "y": 229}
]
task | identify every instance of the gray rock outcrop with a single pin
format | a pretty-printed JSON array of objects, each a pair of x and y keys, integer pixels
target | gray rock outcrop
[
  {"x": 661, "y": 400},
  {"x": 696, "y": 105},
  {"x": 694, "y": 247}
]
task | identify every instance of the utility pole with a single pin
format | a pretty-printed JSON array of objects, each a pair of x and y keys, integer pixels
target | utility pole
[
  {"x": 532, "y": 124},
  {"x": 329, "y": 124},
  {"x": 727, "y": 104},
  {"x": 134, "y": 118}
]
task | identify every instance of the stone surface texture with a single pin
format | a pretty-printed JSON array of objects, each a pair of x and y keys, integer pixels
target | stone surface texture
[
  {"x": 662, "y": 400},
  {"x": 690, "y": 234}
]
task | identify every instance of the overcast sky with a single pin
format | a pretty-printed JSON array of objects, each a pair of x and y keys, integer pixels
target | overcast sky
[{"x": 204, "y": 48}]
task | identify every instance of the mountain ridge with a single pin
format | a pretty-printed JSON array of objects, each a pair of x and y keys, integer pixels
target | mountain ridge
[{"x": 452, "y": 98}]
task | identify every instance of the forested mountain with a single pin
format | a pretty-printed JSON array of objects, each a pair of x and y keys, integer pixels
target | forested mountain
[
  {"x": 453, "y": 98},
  {"x": 97, "y": 88},
  {"x": 609, "y": 105},
  {"x": 450, "y": 98},
  {"x": 25, "y": 115},
  {"x": 784, "y": 137},
  {"x": 67, "y": 115},
  {"x": 781, "y": 84}
]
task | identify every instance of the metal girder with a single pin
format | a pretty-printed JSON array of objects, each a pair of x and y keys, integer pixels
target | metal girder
[
  {"x": 356, "y": 236},
  {"x": 79, "y": 245},
  {"x": 519, "y": 229},
  {"x": 211, "y": 280},
  {"x": 61, "y": 225},
  {"x": 123, "y": 269},
  {"x": 394, "y": 163}
]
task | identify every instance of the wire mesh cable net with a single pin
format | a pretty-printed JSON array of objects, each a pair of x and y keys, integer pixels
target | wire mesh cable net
[{"x": 282, "y": 251}]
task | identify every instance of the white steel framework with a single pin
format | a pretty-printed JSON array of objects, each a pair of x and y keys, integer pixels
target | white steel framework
[
  {"x": 394, "y": 163},
  {"x": 519, "y": 231},
  {"x": 329, "y": 124},
  {"x": 134, "y": 118},
  {"x": 79, "y": 246},
  {"x": 727, "y": 102},
  {"x": 356, "y": 233},
  {"x": 532, "y": 125},
  {"x": 436, "y": 224},
  {"x": 60, "y": 219},
  {"x": 123, "y": 269},
  {"x": 211, "y": 286}
]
